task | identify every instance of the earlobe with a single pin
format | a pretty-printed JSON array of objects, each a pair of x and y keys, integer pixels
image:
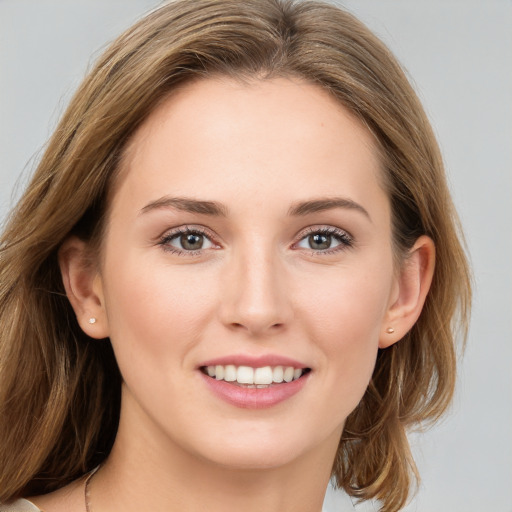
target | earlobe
[
  {"x": 84, "y": 287},
  {"x": 412, "y": 286}
]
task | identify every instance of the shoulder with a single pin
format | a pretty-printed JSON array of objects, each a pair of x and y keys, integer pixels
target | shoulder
[
  {"x": 19, "y": 506},
  {"x": 69, "y": 498}
]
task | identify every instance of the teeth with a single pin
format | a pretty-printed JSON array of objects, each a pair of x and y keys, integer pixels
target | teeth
[
  {"x": 278, "y": 374},
  {"x": 288, "y": 374},
  {"x": 254, "y": 377},
  {"x": 263, "y": 375},
  {"x": 230, "y": 373},
  {"x": 244, "y": 375}
]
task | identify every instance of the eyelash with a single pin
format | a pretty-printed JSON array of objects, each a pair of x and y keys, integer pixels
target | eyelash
[
  {"x": 345, "y": 240},
  {"x": 184, "y": 230}
]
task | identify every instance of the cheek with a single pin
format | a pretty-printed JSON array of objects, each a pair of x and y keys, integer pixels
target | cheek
[
  {"x": 149, "y": 310},
  {"x": 349, "y": 306},
  {"x": 345, "y": 318}
]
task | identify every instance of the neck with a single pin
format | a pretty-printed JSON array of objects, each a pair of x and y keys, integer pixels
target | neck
[{"x": 157, "y": 475}]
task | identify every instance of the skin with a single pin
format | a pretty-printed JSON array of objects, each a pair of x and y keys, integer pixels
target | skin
[{"x": 256, "y": 287}]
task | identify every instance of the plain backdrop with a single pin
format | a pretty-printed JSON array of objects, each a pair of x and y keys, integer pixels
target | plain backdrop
[{"x": 459, "y": 55}]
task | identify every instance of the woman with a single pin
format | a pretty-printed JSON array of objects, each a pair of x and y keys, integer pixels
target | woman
[{"x": 237, "y": 260}]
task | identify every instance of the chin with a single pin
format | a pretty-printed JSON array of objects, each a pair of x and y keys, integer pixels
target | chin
[
  {"x": 255, "y": 459},
  {"x": 262, "y": 451}
]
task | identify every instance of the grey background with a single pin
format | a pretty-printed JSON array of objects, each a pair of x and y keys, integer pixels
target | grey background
[{"x": 459, "y": 54}]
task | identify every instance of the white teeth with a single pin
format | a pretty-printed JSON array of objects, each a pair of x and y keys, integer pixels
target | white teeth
[
  {"x": 278, "y": 374},
  {"x": 230, "y": 373},
  {"x": 288, "y": 374},
  {"x": 263, "y": 375},
  {"x": 245, "y": 375},
  {"x": 254, "y": 377}
]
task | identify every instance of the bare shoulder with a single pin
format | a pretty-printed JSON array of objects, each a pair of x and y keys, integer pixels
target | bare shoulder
[{"x": 70, "y": 498}]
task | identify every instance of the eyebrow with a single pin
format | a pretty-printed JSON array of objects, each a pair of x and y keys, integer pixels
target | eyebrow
[
  {"x": 327, "y": 203},
  {"x": 216, "y": 209},
  {"x": 187, "y": 204}
]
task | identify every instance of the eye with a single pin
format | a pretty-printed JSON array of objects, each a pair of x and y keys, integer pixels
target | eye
[
  {"x": 186, "y": 240},
  {"x": 325, "y": 240}
]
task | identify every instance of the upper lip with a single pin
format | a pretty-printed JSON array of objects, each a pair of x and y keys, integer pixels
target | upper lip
[{"x": 254, "y": 361}]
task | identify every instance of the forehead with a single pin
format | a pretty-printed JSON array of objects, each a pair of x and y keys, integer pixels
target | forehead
[{"x": 222, "y": 137}]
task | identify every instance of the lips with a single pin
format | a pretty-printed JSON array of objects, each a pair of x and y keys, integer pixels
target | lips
[{"x": 254, "y": 383}]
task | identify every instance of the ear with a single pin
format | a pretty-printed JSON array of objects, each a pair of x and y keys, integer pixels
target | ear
[
  {"x": 84, "y": 287},
  {"x": 410, "y": 291}
]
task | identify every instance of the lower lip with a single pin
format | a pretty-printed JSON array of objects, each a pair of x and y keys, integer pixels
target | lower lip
[{"x": 254, "y": 398}]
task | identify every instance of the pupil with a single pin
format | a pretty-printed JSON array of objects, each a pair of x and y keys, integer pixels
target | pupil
[
  {"x": 191, "y": 241},
  {"x": 320, "y": 241}
]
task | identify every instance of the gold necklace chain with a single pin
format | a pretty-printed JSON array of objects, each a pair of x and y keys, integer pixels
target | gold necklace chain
[{"x": 87, "y": 491}]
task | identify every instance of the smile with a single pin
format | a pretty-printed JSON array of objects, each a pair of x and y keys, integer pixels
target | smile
[
  {"x": 254, "y": 382},
  {"x": 249, "y": 377}
]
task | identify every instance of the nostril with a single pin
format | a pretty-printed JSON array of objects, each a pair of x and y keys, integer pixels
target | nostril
[{"x": 256, "y": 327}]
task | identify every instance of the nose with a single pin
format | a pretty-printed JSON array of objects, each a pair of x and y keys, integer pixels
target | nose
[{"x": 255, "y": 296}]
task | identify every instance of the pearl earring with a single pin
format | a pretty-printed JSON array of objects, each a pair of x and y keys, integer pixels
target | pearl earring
[
  {"x": 390, "y": 330},
  {"x": 92, "y": 320}
]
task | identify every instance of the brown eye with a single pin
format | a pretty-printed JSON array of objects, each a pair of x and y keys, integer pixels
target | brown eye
[
  {"x": 320, "y": 241},
  {"x": 186, "y": 241},
  {"x": 326, "y": 240},
  {"x": 191, "y": 241}
]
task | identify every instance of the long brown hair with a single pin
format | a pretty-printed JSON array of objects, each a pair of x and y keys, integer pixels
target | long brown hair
[{"x": 60, "y": 390}]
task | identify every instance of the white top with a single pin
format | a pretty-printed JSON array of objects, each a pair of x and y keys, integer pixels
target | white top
[{"x": 20, "y": 505}]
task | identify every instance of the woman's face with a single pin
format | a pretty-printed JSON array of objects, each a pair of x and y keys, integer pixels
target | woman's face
[{"x": 248, "y": 234}]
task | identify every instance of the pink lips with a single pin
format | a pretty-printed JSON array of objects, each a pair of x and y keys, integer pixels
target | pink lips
[{"x": 254, "y": 398}]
